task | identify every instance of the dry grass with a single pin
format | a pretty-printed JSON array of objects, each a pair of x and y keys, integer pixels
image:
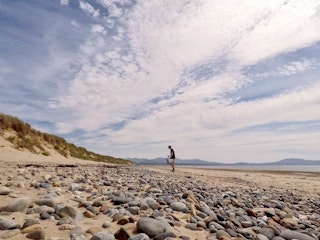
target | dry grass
[{"x": 23, "y": 136}]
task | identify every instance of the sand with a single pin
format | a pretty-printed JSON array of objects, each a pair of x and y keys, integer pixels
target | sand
[
  {"x": 305, "y": 184},
  {"x": 302, "y": 183}
]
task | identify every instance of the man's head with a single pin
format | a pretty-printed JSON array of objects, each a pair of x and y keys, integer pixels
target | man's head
[{"x": 169, "y": 147}]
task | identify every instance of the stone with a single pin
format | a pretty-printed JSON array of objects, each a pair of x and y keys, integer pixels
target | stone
[
  {"x": 7, "y": 224},
  {"x": 18, "y": 205},
  {"x": 68, "y": 211},
  {"x": 121, "y": 234},
  {"x": 150, "y": 226},
  {"x": 163, "y": 236},
  {"x": 30, "y": 222},
  {"x": 260, "y": 236},
  {"x": 9, "y": 233},
  {"x": 37, "y": 235},
  {"x": 140, "y": 236},
  {"x": 288, "y": 234},
  {"x": 46, "y": 201},
  {"x": 102, "y": 236},
  {"x": 32, "y": 228},
  {"x": 267, "y": 232},
  {"x": 179, "y": 206},
  {"x": 5, "y": 190},
  {"x": 222, "y": 233}
]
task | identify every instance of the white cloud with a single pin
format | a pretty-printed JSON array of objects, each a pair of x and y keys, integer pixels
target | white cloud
[
  {"x": 298, "y": 67},
  {"x": 287, "y": 26},
  {"x": 75, "y": 23},
  {"x": 88, "y": 8},
  {"x": 64, "y": 2},
  {"x": 161, "y": 75}
]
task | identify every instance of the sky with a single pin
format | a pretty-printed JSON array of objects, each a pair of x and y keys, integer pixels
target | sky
[{"x": 224, "y": 81}]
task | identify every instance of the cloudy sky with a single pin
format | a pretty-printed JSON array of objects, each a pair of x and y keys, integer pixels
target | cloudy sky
[{"x": 218, "y": 80}]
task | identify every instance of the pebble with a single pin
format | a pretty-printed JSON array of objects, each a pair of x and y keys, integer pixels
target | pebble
[
  {"x": 6, "y": 224},
  {"x": 18, "y": 205},
  {"x": 103, "y": 236},
  {"x": 150, "y": 226},
  {"x": 139, "y": 204},
  {"x": 5, "y": 190}
]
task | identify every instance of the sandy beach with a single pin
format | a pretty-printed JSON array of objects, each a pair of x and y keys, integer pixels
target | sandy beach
[
  {"x": 43, "y": 197},
  {"x": 304, "y": 183}
]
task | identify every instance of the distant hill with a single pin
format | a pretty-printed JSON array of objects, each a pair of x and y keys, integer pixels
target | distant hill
[
  {"x": 24, "y": 137},
  {"x": 295, "y": 161},
  {"x": 162, "y": 161}
]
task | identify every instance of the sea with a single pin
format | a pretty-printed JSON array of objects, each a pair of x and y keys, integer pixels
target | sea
[{"x": 289, "y": 168}]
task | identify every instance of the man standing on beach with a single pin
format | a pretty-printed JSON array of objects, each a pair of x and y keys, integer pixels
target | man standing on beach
[{"x": 171, "y": 158}]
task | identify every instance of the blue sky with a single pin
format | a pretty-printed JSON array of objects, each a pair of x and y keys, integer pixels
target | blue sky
[{"x": 221, "y": 81}]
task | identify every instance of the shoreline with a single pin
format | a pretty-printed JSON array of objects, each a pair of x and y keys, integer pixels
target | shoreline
[
  {"x": 306, "y": 184},
  {"x": 93, "y": 199}
]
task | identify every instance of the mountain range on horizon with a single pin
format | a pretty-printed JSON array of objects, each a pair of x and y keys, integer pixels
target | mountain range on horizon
[{"x": 162, "y": 161}]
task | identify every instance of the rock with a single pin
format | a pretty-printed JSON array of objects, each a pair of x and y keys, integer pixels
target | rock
[
  {"x": 30, "y": 222},
  {"x": 89, "y": 214},
  {"x": 289, "y": 222},
  {"x": 210, "y": 218},
  {"x": 32, "y": 228},
  {"x": 222, "y": 233},
  {"x": 193, "y": 226},
  {"x": 37, "y": 235},
  {"x": 121, "y": 200},
  {"x": 288, "y": 234},
  {"x": 140, "y": 236},
  {"x": 18, "y": 205},
  {"x": 121, "y": 234},
  {"x": 179, "y": 206},
  {"x": 68, "y": 211},
  {"x": 260, "y": 236},
  {"x": 150, "y": 226},
  {"x": 106, "y": 224},
  {"x": 46, "y": 201},
  {"x": 267, "y": 232},
  {"x": 102, "y": 236},
  {"x": 7, "y": 224},
  {"x": 5, "y": 190},
  {"x": 163, "y": 236},
  {"x": 9, "y": 233},
  {"x": 134, "y": 210}
]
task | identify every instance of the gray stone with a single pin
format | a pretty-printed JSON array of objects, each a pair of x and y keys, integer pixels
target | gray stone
[
  {"x": 222, "y": 233},
  {"x": 163, "y": 236},
  {"x": 6, "y": 224},
  {"x": 278, "y": 238},
  {"x": 179, "y": 206},
  {"x": 46, "y": 201},
  {"x": 288, "y": 234},
  {"x": 68, "y": 211},
  {"x": 140, "y": 236},
  {"x": 18, "y": 205},
  {"x": 5, "y": 190},
  {"x": 192, "y": 226},
  {"x": 30, "y": 222},
  {"x": 121, "y": 200},
  {"x": 210, "y": 218},
  {"x": 102, "y": 236},
  {"x": 106, "y": 224},
  {"x": 260, "y": 236},
  {"x": 150, "y": 226},
  {"x": 37, "y": 235},
  {"x": 134, "y": 210},
  {"x": 267, "y": 232},
  {"x": 9, "y": 233}
]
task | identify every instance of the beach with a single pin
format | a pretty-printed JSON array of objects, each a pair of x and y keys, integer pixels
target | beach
[
  {"x": 55, "y": 198},
  {"x": 298, "y": 182}
]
